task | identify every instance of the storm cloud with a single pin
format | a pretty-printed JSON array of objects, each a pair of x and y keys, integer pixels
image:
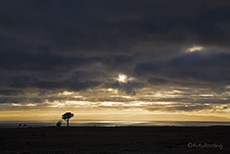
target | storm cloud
[
  {"x": 191, "y": 66},
  {"x": 52, "y": 46}
]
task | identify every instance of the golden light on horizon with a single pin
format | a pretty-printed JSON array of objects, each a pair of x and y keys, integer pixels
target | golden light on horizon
[{"x": 146, "y": 104}]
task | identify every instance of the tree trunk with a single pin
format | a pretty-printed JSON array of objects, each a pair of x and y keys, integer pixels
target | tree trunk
[{"x": 67, "y": 122}]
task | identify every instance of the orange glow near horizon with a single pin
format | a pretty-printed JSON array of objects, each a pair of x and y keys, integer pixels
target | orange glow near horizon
[
  {"x": 108, "y": 115},
  {"x": 101, "y": 104}
]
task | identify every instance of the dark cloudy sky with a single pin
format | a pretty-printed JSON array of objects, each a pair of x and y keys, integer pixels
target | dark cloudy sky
[{"x": 107, "y": 58}]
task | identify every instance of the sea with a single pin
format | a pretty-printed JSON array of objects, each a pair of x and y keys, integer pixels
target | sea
[{"x": 26, "y": 124}]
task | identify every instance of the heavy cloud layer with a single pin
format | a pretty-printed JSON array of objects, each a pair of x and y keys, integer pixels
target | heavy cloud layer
[{"x": 55, "y": 45}]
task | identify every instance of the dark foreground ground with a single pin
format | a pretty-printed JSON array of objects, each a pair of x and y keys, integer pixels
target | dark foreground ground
[{"x": 115, "y": 140}]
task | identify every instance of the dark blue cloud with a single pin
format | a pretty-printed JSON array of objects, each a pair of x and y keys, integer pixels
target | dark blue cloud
[
  {"x": 197, "y": 66},
  {"x": 110, "y": 26},
  {"x": 55, "y": 45},
  {"x": 10, "y": 92},
  {"x": 20, "y": 61}
]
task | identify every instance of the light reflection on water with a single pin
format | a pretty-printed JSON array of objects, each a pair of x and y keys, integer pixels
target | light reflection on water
[{"x": 15, "y": 124}]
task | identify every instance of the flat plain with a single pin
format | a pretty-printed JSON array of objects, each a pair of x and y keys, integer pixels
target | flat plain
[{"x": 115, "y": 140}]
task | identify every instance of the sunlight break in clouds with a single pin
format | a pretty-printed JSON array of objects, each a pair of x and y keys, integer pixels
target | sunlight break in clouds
[
  {"x": 195, "y": 48},
  {"x": 122, "y": 78}
]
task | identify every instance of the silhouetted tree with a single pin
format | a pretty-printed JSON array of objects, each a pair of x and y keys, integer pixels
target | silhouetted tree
[
  {"x": 67, "y": 116},
  {"x": 58, "y": 124}
]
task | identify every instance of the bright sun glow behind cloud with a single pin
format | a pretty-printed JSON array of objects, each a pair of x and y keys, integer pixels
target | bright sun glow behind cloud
[
  {"x": 195, "y": 48},
  {"x": 122, "y": 78}
]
